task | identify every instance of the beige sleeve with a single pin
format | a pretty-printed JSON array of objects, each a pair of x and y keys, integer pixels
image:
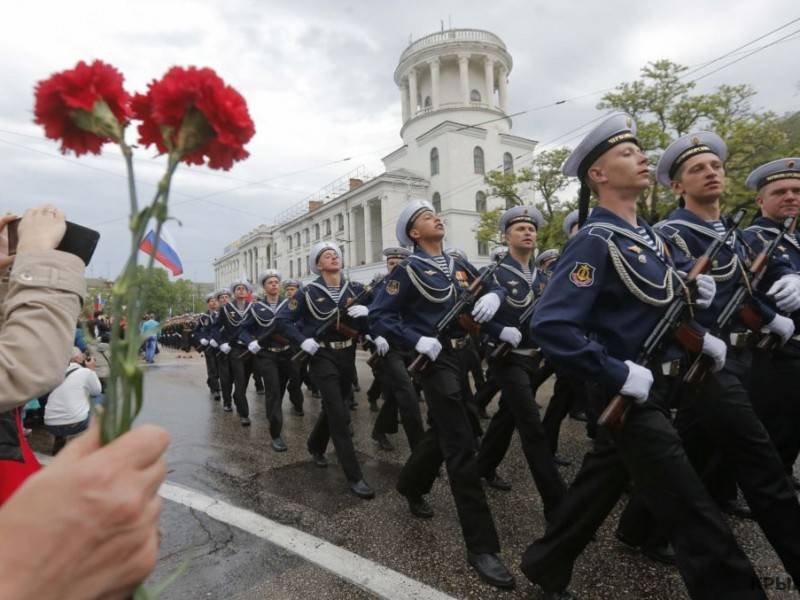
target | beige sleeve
[{"x": 37, "y": 323}]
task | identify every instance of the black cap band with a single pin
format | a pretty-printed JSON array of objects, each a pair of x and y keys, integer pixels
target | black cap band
[
  {"x": 521, "y": 219},
  {"x": 777, "y": 177},
  {"x": 602, "y": 148},
  {"x": 686, "y": 155},
  {"x": 413, "y": 217}
]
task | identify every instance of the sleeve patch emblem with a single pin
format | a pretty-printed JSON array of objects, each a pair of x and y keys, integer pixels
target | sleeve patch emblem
[
  {"x": 582, "y": 274},
  {"x": 393, "y": 287},
  {"x": 292, "y": 304}
]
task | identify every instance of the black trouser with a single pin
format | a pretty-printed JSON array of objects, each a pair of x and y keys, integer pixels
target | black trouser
[
  {"x": 374, "y": 391},
  {"x": 332, "y": 373},
  {"x": 398, "y": 395},
  {"x": 721, "y": 413},
  {"x": 648, "y": 447},
  {"x": 241, "y": 367},
  {"x": 776, "y": 400},
  {"x": 225, "y": 375},
  {"x": 211, "y": 369},
  {"x": 296, "y": 381},
  {"x": 275, "y": 369},
  {"x": 485, "y": 393},
  {"x": 451, "y": 438},
  {"x": 565, "y": 393},
  {"x": 517, "y": 409}
]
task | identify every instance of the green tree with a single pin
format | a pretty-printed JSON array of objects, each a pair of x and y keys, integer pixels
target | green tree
[
  {"x": 548, "y": 180},
  {"x": 665, "y": 108}
]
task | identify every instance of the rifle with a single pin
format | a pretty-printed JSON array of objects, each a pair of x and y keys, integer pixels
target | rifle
[
  {"x": 672, "y": 322},
  {"x": 738, "y": 305},
  {"x": 504, "y": 348},
  {"x": 467, "y": 298},
  {"x": 333, "y": 322}
]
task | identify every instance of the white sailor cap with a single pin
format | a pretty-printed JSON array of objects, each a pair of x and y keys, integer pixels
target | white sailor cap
[
  {"x": 211, "y": 296},
  {"x": 318, "y": 249},
  {"x": 570, "y": 220},
  {"x": 222, "y": 292},
  {"x": 456, "y": 253},
  {"x": 522, "y": 214},
  {"x": 396, "y": 252},
  {"x": 684, "y": 148},
  {"x": 547, "y": 255},
  {"x": 616, "y": 129},
  {"x": 236, "y": 283},
  {"x": 292, "y": 283},
  {"x": 407, "y": 217},
  {"x": 783, "y": 168},
  {"x": 264, "y": 275}
]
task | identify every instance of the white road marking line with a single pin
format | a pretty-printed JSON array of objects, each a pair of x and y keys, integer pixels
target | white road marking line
[{"x": 366, "y": 574}]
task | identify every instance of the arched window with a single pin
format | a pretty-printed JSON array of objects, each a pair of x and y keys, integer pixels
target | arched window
[
  {"x": 437, "y": 202},
  {"x": 508, "y": 163},
  {"x": 434, "y": 162},
  {"x": 306, "y": 236},
  {"x": 297, "y": 239},
  {"x": 427, "y": 103},
  {"x": 327, "y": 226},
  {"x": 475, "y": 96},
  {"x": 340, "y": 222},
  {"x": 316, "y": 231},
  {"x": 290, "y": 242},
  {"x": 477, "y": 160},
  {"x": 480, "y": 202}
]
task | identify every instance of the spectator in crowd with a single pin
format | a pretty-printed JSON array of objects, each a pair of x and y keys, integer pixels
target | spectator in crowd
[
  {"x": 149, "y": 331},
  {"x": 68, "y": 407},
  {"x": 80, "y": 339}
]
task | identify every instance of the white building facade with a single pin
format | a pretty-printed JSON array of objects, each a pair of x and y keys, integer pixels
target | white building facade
[{"x": 454, "y": 92}]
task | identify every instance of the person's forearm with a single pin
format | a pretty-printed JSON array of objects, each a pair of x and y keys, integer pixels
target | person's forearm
[{"x": 43, "y": 302}]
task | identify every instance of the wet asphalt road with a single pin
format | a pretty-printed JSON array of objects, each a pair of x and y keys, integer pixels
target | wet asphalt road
[{"x": 212, "y": 453}]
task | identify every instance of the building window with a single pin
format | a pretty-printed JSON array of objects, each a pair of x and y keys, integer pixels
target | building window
[
  {"x": 510, "y": 203},
  {"x": 483, "y": 248},
  {"x": 480, "y": 202},
  {"x": 437, "y": 203},
  {"x": 306, "y": 236},
  {"x": 340, "y": 222},
  {"x": 327, "y": 226},
  {"x": 299, "y": 268},
  {"x": 477, "y": 160},
  {"x": 291, "y": 269},
  {"x": 434, "y": 162},
  {"x": 508, "y": 163},
  {"x": 475, "y": 96},
  {"x": 297, "y": 239},
  {"x": 427, "y": 103},
  {"x": 316, "y": 232},
  {"x": 290, "y": 242}
]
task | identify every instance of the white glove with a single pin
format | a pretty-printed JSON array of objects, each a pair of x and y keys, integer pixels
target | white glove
[
  {"x": 310, "y": 346},
  {"x": 358, "y": 310},
  {"x": 254, "y": 347},
  {"x": 511, "y": 335},
  {"x": 638, "y": 383},
  {"x": 429, "y": 346},
  {"x": 781, "y": 326},
  {"x": 786, "y": 292},
  {"x": 485, "y": 307},
  {"x": 706, "y": 290},
  {"x": 225, "y": 347},
  {"x": 214, "y": 343},
  {"x": 716, "y": 349},
  {"x": 381, "y": 345},
  {"x": 204, "y": 342}
]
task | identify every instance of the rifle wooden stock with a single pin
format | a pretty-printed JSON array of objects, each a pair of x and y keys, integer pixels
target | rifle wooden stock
[
  {"x": 751, "y": 318},
  {"x": 373, "y": 360},
  {"x": 468, "y": 324},
  {"x": 690, "y": 339},
  {"x": 418, "y": 365},
  {"x": 613, "y": 416},
  {"x": 346, "y": 330}
]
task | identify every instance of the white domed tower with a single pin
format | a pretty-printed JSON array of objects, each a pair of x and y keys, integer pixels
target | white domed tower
[
  {"x": 454, "y": 93},
  {"x": 460, "y": 74}
]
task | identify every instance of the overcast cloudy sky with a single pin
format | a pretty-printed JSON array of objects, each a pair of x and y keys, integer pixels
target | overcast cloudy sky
[{"x": 317, "y": 76}]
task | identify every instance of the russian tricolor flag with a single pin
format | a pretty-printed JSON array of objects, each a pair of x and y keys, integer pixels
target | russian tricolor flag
[{"x": 163, "y": 251}]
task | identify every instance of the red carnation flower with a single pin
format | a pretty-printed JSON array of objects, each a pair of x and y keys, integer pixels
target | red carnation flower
[
  {"x": 84, "y": 107},
  {"x": 193, "y": 112}
]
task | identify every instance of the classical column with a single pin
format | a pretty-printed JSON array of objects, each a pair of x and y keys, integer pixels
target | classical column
[
  {"x": 404, "y": 99},
  {"x": 488, "y": 69},
  {"x": 367, "y": 232},
  {"x": 435, "y": 83},
  {"x": 503, "y": 88},
  {"x": 463, "y": 76},
  {"x": 412, "y": 91}
]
